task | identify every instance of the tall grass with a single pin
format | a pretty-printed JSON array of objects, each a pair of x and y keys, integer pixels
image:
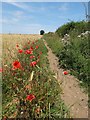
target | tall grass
[
  {"x": 54, "y": 42},
  {"x": 38, "y": 81}
]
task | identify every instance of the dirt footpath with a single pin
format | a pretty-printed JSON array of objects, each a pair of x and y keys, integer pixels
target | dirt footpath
[{"x": 73, "y": 95}]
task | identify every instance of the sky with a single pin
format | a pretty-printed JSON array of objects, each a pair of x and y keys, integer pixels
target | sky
[{"x": 31, "y": 17}]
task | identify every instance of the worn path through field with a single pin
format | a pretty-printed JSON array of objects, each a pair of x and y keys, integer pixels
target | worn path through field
[{"x": 73, "y": 96}]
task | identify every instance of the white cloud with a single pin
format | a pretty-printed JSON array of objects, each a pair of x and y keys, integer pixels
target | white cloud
[
  {"x": 9, "y": 21},
  {"x": 27, "y": 7},
  {"x": 64, "y": 7},
  {"x": 13, "y": 17},
  {"x": 19, "y": 5}
]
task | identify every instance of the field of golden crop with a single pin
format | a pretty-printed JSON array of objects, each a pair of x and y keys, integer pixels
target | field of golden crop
[{"x": 8, "y": 44}]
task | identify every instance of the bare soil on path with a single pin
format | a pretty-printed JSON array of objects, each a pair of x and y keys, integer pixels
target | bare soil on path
[{"x": 73, "y": 96}]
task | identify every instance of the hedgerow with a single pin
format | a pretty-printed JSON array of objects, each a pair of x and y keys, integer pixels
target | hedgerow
[
  {"x": 77, "y": 27},
  {"x": 73, "y": 53}
]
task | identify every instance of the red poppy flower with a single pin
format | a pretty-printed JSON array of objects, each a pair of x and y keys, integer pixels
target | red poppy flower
[
  {"x": 16, "y": 65},
  {"x": 1, "y": 70},
  {"x": 32, "y": 64},
  {"x": 28, "y": 52},
  {"x": 32, "y": 57},
  {"x": 40, "y": 52},
  {"x": 20, "y": 51},
  {"x": 37, "y": 47},
  {"x": 30, "y": 97},
  {"x": 32, "y": 42},
  {"x": 65, "y": 72},
  {"x": 31, "y": 48}
]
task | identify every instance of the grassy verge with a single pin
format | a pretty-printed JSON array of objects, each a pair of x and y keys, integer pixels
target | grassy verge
[
  {"x": 29, "y": 88},
  {"x": 73, "y": 53},
  {"x": 54, "y": 42}
]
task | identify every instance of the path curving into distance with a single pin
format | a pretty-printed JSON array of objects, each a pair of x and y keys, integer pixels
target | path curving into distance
[{"x": 72, "y": 94}]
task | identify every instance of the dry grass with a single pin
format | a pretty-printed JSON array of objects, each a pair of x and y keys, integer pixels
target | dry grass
[{"x": 8, "y": 45}]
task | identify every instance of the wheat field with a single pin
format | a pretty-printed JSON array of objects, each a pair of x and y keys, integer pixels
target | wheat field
[{"x": 8, "y": 44}]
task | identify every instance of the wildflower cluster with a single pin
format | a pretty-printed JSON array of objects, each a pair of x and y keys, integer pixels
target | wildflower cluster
[
  {"x": 29, "y": 89},
  {"x": 19, "y": 73}
]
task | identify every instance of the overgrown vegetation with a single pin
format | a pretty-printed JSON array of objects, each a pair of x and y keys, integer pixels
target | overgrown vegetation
[
  {"x": 29, "y": 88},
  {"x": 72, "y": 51},
  {"x": 77, "y": 27},
  {"x": 54, "y": 42}
]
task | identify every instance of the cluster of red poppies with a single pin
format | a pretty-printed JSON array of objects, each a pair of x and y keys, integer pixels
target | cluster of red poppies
[{"x": 17, "y": 65}]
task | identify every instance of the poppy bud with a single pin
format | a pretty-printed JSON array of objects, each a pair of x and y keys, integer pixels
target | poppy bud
[{"x": 20, "y": 51}]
